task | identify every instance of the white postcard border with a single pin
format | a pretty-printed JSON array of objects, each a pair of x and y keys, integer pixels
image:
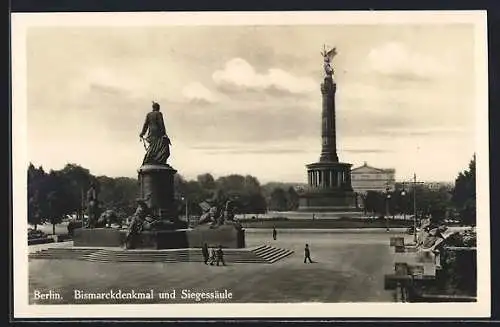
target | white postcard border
[{"x": 20, "y": 24}]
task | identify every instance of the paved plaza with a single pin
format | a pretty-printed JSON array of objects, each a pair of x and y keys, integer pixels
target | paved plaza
[{"x": 348, "y": 267}]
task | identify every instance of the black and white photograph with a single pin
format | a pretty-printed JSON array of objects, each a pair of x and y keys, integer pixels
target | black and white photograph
[{"x": 264, "y": 164}]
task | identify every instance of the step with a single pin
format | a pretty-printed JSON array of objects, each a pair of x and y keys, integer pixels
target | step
[
  {"x": 259, "y": 254},
  {"x": 263, "y": 252},
  {"x": 284, "y": 255},
  {"x": 274, "y": 254}
]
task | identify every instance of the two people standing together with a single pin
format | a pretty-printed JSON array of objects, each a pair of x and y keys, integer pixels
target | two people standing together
[{"x": 216, "y": 257}]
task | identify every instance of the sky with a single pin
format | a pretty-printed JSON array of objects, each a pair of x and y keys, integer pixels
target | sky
[{"x": 246, "y": 99}]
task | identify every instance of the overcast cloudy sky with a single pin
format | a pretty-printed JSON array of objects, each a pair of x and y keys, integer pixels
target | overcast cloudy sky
[{"x": 246, "y": 99}]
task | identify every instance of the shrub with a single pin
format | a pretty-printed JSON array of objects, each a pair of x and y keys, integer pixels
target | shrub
[{"x": 36, "y": 234}]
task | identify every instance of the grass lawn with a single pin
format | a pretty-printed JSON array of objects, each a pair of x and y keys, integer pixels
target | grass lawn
[{"x": 347, "y": 268}]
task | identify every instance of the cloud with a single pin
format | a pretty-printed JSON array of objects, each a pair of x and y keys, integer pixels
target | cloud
[
  {"x": 395, "y": 60},
  {"x": 238, "y": 150},
  {"x": 366, "y": 150},
  {"x": 269, "y": 122},
  {"x": 422, "y": 131},
  {"x": 239, "y": 76},
  {"x": 108, "y": 80},
  {"x": 197, "y": 93}
]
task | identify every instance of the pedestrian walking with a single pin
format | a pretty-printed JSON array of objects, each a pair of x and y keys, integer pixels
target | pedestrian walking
[
  {"x": 204, "y": 251},
  {"x": 220, "y": 256},
  {"x": 307, "y": 254},
  {"x": 275, "y": 233},
  {"x": 212, "y": 258}
]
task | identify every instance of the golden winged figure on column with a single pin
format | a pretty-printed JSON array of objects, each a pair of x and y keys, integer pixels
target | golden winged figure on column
[{"x": 328, "y": 55}]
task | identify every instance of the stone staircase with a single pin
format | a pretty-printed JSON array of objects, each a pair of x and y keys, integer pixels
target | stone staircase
[
  {"x": 261, "y": 254},
  {"x": 62, "y": 253}
]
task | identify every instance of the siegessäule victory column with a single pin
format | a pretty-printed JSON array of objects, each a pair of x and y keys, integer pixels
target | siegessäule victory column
[{"x": 329, "y": 181}]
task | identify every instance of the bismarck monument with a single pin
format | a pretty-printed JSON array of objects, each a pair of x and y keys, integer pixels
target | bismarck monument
[
  {"x": 329, "y": 181},
  {"x": 156, "y": 224},
  {"x": 156, "y": 177}
]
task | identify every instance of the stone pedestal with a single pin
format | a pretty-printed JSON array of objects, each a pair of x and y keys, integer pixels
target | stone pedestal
[
  {"x": 99, "y": 237},
  {"x": 226, "y": 235},
  {"x": 157, "y": 186}
]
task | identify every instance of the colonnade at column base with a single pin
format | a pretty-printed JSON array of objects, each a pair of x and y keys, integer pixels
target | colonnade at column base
[{"x": 329, "y": 190}]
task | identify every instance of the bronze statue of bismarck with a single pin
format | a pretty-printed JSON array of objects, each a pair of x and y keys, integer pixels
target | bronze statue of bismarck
[{"x": 158, "y": 149}]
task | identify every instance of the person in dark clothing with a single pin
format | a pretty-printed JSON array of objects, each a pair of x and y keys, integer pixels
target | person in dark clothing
[
  {"x": 275, "y": 233},
  {"x": 307, "y": 254},
  {"x": 220, "y": 256},
  {"x": 204, "y": 251},
  {"x": 212, "y": 258}
]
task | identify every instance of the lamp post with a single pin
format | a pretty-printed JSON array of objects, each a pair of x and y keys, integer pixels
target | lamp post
[
  {"x": 387, "y": 199},
  {"x": 187, "y": 214},
  {"x": 415, "y": 208},
  {"x": 403, "y": 194}
]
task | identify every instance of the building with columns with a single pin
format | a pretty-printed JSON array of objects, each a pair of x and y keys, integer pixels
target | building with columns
[
  {"x": 325, "y": 177},
  {"x": 367, "y": 178}
]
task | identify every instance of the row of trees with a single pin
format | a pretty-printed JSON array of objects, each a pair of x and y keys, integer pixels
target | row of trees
[
  {"x": 401, "y": 201},
  {"x": 56, "y": 194},
  {"x": 245, "y": 191}
]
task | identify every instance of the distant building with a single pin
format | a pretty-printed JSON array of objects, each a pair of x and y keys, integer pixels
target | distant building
[{"x": 367, "y": 178}]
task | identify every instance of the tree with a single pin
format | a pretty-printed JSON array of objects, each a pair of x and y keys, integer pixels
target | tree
[
  {"x": 292, "y": 199},
  {"x": 179, "y": 185},
  {"x": 464, "y": 194},
  {"x": 278, "y": 201},
  {"x": 231, "y": 184},
  {"x": 56, "y": 211},
  {"x": 246, "y": 188},
  {"x": 36, "y": 194},
  {"x": 206, "y": 181},
  {"x": 57, "y": 199},
  {"x": 77, "y": 181},
  {"x": 251, "y": 185},
  {"x": 256, "y": 204},
  {"x": 118, "y": 194},
  {"x": 375, "y": 202},
  {"x": 34, "y": 212}
]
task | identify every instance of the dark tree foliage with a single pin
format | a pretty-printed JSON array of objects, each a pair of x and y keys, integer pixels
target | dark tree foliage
[
  {"x": 278, "y": 200},
  {"x": 292, "y": 199},
  {"x": 464, "y": 194},
  {"x": 60, "y": 193}
]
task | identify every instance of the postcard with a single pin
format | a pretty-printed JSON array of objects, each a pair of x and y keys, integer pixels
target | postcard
[{"x": 250, "y": 164}]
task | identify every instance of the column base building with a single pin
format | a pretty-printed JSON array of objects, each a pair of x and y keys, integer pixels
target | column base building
[{"x": 329, "y": 188}]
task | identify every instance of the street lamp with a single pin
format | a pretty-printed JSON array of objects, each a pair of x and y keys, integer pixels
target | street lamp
[
  {"x": 403, "y": 194},
  {"x": 187, "y": 214},
  {"x": 415, "y": 208},
  {"x": 388, "y": 198}
]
